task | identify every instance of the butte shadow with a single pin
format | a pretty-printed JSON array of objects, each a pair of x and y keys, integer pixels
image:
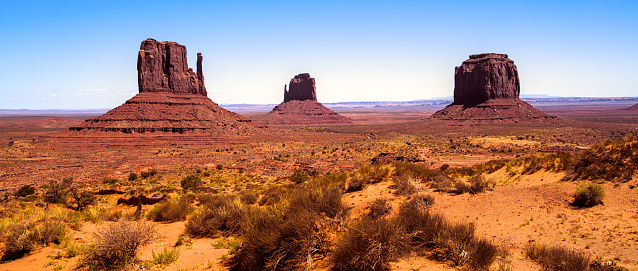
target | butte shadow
[
  {"x": 172, "y": 99},
  {"x": 300, "y": 106},
  {"x": 486, "y": 90}
]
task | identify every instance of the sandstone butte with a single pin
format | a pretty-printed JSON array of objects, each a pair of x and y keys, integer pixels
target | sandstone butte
[
  {"x": 633, "y": 107},
  {"x": 172, "y": 98},
  {"x": 300, "y": 106},
  {"x": 486, "y": 89}
]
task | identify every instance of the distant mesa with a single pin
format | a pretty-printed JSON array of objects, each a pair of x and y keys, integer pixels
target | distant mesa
[
  {"x": 633, "y": 107},
  {"x": 172, "y": 99},
  {"x": 300, "y": 106},
  {"x": 486, "y": 89}
]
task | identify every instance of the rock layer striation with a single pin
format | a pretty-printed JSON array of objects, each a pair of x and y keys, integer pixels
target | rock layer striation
[
  {"x": 172, "y": 99},
  {"x": 163, "y": 67},
  {"x": 300, "y": 106},
  {"x": 486, "y": 89},
  {"x": 484, "y": 77}
]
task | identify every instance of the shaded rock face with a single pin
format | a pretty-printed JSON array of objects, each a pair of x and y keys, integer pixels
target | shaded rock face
[
  {"x": 486, "y": 89},
  {"x": 484, "y": 77},
  {"x": 301, "y": 88},
  {"x": 163, "y": 67},
  {"x": 633, "y": 107}
]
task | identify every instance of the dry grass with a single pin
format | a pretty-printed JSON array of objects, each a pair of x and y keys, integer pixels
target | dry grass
[
  {"x": 116, "y": 245},
  {"x": 175, "y": 209},
  {"x": 557, "y": 258}
]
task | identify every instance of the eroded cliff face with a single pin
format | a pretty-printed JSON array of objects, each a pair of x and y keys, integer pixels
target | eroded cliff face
[
  {"x": 486, "y": 90},
  {"x": 172, "y": 99},
  {"x": 300, "y": 106},
  {"x": 163, "y": 67},
  {"x": 301, "y": 88},
  {"x": 484, "y": 77}
]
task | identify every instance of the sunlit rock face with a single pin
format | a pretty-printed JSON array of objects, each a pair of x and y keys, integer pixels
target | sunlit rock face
[{"x": 163, "y": 67}]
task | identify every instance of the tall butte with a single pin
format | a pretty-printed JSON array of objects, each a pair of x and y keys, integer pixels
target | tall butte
[
  {"x": 172, "y": 98},
  {"x": 300, "y": 106},
  {"x": 486, "y": 89}
]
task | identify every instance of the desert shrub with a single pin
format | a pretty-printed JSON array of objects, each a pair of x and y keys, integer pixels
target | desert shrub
[
  {"x": 191, "y": 182},
  {"x": 482, "y": 254},
  {"x": 57, "y": 192},
  {"x": 271, "y": 195},
  {"x": 79, "y": 200},
  {"x": 132, "y": 176},
  {"x": 442, "y": 183},
  {"x": 457, "y": 240},
  {"x": 24, "y": 191},
  {"x": 612, "y": 161},
  {"x": 279, "y": 238},
  {"x": 557, "y": 258},
  {"x": 479, "y": 184},
  {"x": 148, "y": 174},
  {"x": 165, "y": 257},
  {"x": 171, "y": 210},
  {"x": 221, "y": 217},
  {"x": 332, "y": 179},
  {"x": 219, "y": 167},
  {"x": 298, "y": 177},
  {"x": 422, "y": 227},
  {"x": 109, "y": 181},
  {"x": 605, "y": 266},
  {"x": 115, "y": 245},
  {"x": 368, "y": 245},
  {"x": 355, "y": 183},
  {"x": 25, "y": 236},
  {"x": 287, "y": 235},
  {"x": 374, "y": 173},
  {"x": 320, "y": 199},
  {"x": 417, "y": 171},
  {"x": 378, "y": 208},
  {"x": 588, "y": 195},
  {"x": 419, "y": 202},
  {"x": 248, "y": 198},
  {"x": 460, "y": 187},
  {"x": 405, "y": 185}
]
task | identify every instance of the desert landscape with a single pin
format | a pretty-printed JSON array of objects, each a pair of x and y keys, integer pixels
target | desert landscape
[
  {"x": 410, "y": 135},
  {"x": 172, "y": 181}
]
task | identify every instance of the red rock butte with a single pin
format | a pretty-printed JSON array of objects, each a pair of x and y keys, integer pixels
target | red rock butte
[
  {"x": 486, "y": 89},
  {"x": 300, "y": 106},
  {"x": 172, "y": 98},
  {"x": 633, "y": 107}
]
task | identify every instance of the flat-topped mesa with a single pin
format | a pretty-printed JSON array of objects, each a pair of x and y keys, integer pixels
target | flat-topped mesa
[
  {"x": 301, "y": 88},
  {"x": 163, "y": 67},
  {"x": 484, "y": 77}
]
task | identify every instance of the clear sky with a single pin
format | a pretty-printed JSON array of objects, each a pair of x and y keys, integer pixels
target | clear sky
[{"x": 83, "y": 54}]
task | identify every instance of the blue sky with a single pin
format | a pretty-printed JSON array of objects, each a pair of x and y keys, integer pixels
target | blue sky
[{"x": 83, "y": 54}]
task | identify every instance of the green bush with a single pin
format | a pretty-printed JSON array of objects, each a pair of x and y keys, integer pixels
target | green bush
[
  {"x": 588, "y": 195},
  {"x": 148, "y": 174},
  {"x": 171, "y": 210},
  {"x": 165, "y": 257}
]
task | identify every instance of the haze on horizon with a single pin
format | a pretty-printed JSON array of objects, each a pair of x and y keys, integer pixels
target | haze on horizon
[{"x": 83, "y": 54}]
